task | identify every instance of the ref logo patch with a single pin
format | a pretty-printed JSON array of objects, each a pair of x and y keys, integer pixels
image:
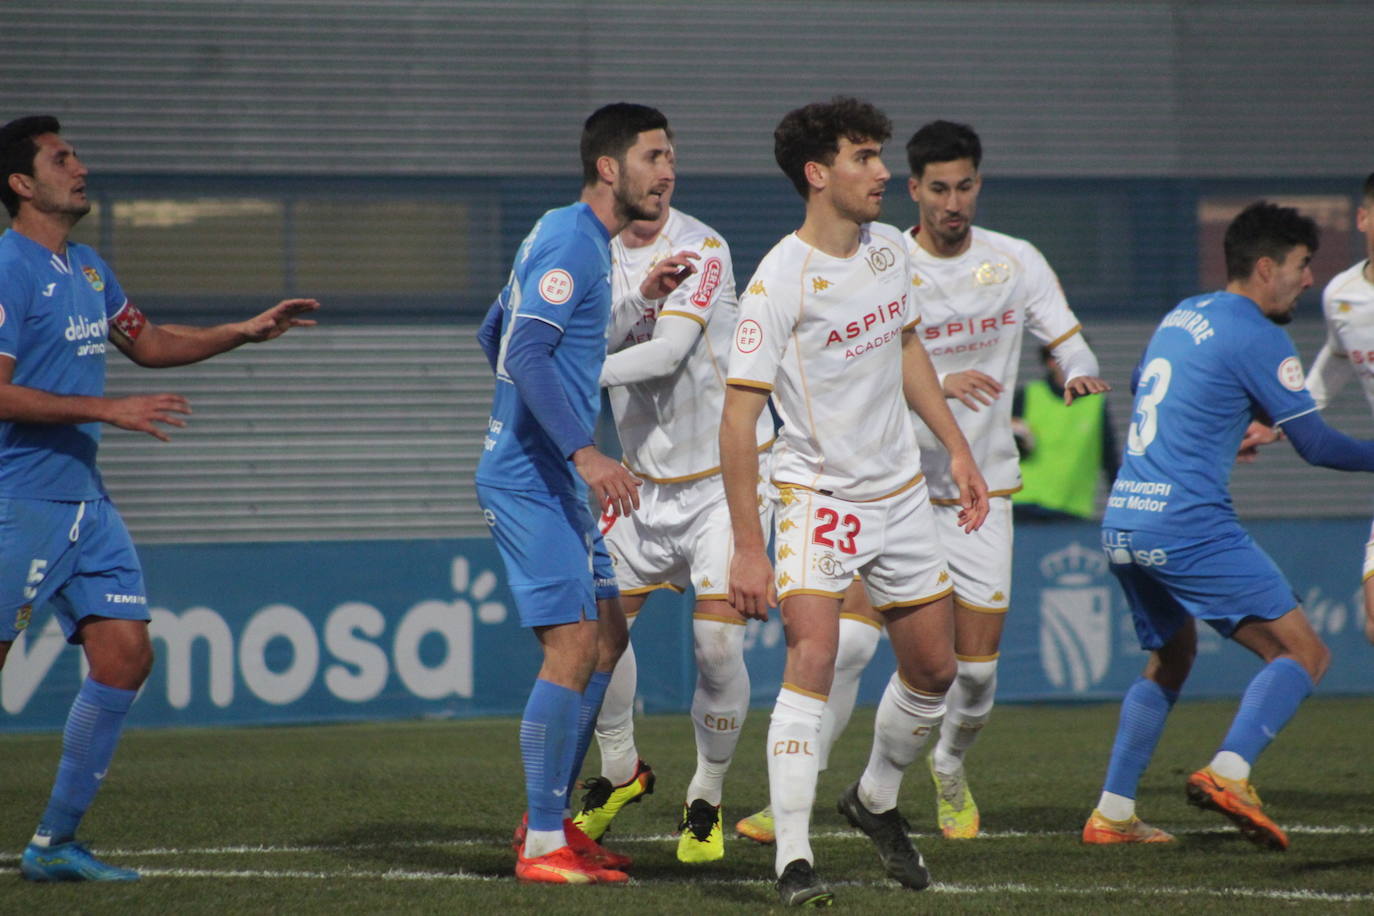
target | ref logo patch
[
  {"x": 556, "y": 286},
  {"x": 93, "y": 278},
  {"x": 748, "y": 336},
  {"x": 710, "y": 281},
  {"x": 1290, "y": 374}
]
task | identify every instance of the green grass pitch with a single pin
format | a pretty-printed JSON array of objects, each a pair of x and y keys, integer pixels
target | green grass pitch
[{"x": 415, "y": 817}]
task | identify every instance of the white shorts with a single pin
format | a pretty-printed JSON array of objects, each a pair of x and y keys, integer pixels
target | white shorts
[
  {"x": 678, "y": 537},
  {"x": 979, "y": 562},
  {"x": 823, "y": 541}
]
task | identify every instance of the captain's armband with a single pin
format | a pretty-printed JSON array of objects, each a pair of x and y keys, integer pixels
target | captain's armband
[{"x": 130, "y": 321}]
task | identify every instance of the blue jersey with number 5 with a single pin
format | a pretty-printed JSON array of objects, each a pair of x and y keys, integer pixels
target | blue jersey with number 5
[{"x": 1214, "y": 363}]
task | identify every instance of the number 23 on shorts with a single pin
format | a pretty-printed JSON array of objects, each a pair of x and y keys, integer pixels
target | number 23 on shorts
[{"x": 829, "y": 520}]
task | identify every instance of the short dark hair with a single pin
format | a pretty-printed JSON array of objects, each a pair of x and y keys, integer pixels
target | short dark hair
[
  {"x": 18, "y": 150},
  {"x": 942, "y": 141},
  {"x": 612, "y": 130},
  {"x": 1265, "y": 230},
  {"x": 1369, "y": 187},
  {"x": 812, "y": 134}
]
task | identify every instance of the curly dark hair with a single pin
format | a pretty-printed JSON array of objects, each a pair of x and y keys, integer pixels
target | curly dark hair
[
  {"x": 812, "y": 134},
  {"x": 942, "y": 141},
  {"x": 1265, "y": 230}
]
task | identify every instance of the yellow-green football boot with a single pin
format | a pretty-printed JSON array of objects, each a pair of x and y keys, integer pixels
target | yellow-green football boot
[
  {"x": 956, "y": 810},
  {"x": 603, "y": 801},
  {"x": 701, "y": 838},
  {"x": 758, "y": 827}
]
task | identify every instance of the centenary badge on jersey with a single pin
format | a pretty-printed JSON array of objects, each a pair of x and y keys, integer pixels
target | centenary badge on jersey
[
  {"x": 556, "y": 286},
  {"x": 1290, "y": 374},
  {"x": 93, "y": 278}
]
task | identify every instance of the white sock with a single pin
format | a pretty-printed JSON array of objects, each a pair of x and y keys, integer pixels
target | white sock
[
  {"x": 615, "y": 725},
  {"x": 906, "y": 718},
  {"x": 858, "y": 642},
  {"x": 969, "y": 703},
  {"x": 542, "y": 842},
  {"x": 793, "y": 732},
  {"x": 1230, "y": 765},
  {"x": 1116, "y": 807},
  {"x": 718, "y": 705}
]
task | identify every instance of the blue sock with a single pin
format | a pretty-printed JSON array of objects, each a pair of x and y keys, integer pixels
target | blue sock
[
  {"x": 586, "y": 723},
  {"x": 1269, "y": 702},
  {"x": 1143, "y": 711},
  {"x": 548, "y": 733},
  {"x": 88, "y": 745}
]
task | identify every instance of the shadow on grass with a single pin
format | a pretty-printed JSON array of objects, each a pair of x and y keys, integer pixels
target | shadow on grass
[{"x": 423, "y": 847}]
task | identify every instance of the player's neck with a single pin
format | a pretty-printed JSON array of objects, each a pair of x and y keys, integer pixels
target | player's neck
[
  {"x": 49, "y": 230},
  {"x": 942, "y": 248},
  {"x": 642, "y": 233},
  {"x": 829, "y": 232},
  {"x": 601, "y": 199}
]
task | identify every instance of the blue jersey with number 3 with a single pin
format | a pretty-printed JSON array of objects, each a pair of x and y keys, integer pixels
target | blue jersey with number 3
[
  {"x": 561, "y": 277},
  {"x": 1214, "y": 363}
]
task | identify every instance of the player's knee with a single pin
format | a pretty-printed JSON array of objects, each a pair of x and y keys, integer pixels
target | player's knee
[
  {"x": 858, "y": 642},
  {"x": 977, "y": 679},
  {"x": 932, "y": 676}
]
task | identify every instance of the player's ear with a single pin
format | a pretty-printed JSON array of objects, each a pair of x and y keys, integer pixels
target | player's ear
[
  {"x": 608, "y": 167},
  {"x": 817, "y": 175},
  {"x": 913, "y": 187},
  {"x": 21, "y": 184}
]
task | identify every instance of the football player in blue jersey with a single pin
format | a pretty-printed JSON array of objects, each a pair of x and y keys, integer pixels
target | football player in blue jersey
[
  {"x": 1215, "y": 363},
  {"x": 61, "y": 539},
  {"x": 545, "y": 337}
]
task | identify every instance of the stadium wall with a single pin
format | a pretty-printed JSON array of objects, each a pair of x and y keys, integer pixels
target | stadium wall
[{"x": 277, "y": 633}]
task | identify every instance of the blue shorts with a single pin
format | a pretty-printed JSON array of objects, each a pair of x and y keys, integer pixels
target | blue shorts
[
  {"x": 1222, "y": 580},
  {"x": 556, "y": 563},
  {"x": 79, "y": 556}
]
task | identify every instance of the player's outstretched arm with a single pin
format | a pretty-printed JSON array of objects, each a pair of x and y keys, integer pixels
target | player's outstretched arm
[
  {"x": 140, "y": 413},
  {"x": 661, "y": 280},
  {"x": 159, "y": 346},
  {"x": 1257, "y": 434},
  {"x": 752, "y": 591},
  {"x": 1079, "y": 365},
  {"x": 1330, "y": 372},
  {"x": 921, "y": 386}
]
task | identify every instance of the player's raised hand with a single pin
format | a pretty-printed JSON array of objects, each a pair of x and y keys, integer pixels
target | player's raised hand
[
  {"x": 972, "y": 388},
  {"x": 141, "y": 412},
  {"x": 279, "y": 319},
  {"x": 973, "y": 491},
  {"x": 668, "y": 274},
  {"x": 615, "y": 489},
  {"x": 1083, "y": 385},
  {"x": 752, "y": 591}
]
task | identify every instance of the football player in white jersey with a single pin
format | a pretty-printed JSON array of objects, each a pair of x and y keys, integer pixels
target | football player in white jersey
[
  {"x": 1348, "y": 304},
  {"x": 977, "y": 291},
  {"x": 828, "y": 329},
  {"x": 666, "y": 378}
]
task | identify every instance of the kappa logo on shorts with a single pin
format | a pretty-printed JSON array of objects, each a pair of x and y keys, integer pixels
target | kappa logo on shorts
[
  {"x": 23, "y": 616},
  {"x": 556, "y": 286}
]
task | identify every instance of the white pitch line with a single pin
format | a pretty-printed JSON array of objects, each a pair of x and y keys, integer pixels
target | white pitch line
[
  {"x": 1026, "y": 890},
  {"x": 633, "y": 839}
]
